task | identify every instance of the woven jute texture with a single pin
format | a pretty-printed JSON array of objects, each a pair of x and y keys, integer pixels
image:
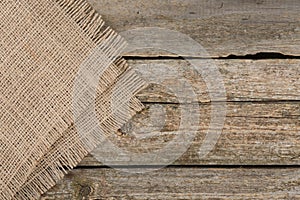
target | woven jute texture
[{"x": 43, "y": 45}]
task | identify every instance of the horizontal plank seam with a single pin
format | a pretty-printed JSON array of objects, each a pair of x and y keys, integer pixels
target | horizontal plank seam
[
  {"x": 266, "y": 101},
  {"x": 192, "y": 166},
  {"x": 257, "y": 56}
]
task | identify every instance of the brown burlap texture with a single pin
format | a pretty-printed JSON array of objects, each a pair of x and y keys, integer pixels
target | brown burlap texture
[{"x": 43, "y": 45}]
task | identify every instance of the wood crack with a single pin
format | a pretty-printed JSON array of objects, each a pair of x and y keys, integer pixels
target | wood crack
[{"x": 256, "y": 56}]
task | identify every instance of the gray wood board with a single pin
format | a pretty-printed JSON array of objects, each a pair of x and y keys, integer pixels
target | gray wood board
[
  {"x": 262, "y": 121},
  {"x": 221, "y": 27},
  {"x": 244, "y": 80},
  {"x": 253, "y": 134},
  {"x": 180, "y": 183}
]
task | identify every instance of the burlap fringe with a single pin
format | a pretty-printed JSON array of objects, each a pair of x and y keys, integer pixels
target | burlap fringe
[{"x": 62, "y": 160}]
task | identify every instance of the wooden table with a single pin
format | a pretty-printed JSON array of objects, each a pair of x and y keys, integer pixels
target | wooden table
[{"x": 256, "y": 47}]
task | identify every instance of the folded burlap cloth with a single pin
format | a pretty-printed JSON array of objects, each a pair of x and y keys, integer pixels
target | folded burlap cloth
[{"x": 43, "y": 46}]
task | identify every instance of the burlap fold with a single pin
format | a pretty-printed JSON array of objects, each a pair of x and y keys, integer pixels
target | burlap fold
[{"x": 42, "y": 46}]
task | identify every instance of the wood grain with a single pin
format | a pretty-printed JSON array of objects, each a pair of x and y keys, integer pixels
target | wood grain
[
  {"x": 262, "y": 124},
  {"x": 244, "y": 80},
  {"x": 221, "y": 27},
  {"x": 253, "y": 134},
  {"x": 179, "y": 183}
]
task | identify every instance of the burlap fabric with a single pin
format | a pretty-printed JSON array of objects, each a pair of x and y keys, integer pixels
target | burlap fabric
[{"x": 42, "y": 46}]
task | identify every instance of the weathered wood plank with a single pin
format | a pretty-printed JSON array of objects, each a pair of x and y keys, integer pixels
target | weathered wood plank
[
  {"x": 179, "y": 183},
  {"x": 244, "y": 80},
  {"x": 222, "y": 27},
  {"x": 265, "y": 132},
  {"x": 253, "y": 134},
  {"x": 262, "y": 126}
]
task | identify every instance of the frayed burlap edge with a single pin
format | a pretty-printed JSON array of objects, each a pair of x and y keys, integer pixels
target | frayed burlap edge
[{"x": 55, "y": 164}]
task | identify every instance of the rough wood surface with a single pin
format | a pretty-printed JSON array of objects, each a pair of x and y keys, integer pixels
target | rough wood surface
[
  {"x": 180, "y": 183},
  {"x": 254, "y": 134},
  {"x": 244, "y": 80},
  {"x": 222, "y": 27},
  {"x": 262, "y": 126}
]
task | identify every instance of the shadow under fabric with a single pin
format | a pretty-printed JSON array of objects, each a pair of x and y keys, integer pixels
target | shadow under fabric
[{"x": 42, "y": 46}]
